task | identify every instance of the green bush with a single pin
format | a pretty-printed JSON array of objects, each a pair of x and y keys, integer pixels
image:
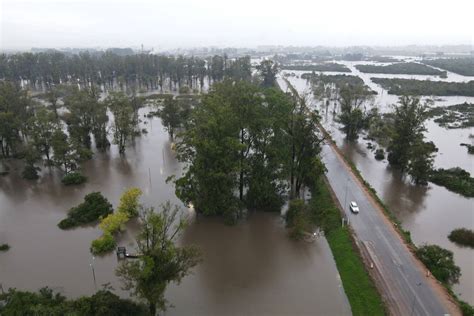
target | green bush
[
  {"x": 94, "y": 207},
  {"x": 440, "y": 262},
  {"x": 103, "y": 244},
  {"x": 462, "y": 236},
  {"x": 466, "y": 309},
  {"x": 379, "y": 154},
  {"x": 4, "y": 247},
  {"x": 73, "y": 178}
]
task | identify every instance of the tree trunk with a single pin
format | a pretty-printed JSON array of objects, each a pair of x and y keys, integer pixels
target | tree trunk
[{"x": 152, "y": 308}]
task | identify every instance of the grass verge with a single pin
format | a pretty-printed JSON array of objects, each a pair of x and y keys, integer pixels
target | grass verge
[{"x": 358, "y": 286}]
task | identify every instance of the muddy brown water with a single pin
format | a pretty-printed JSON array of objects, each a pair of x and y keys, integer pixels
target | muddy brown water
[
  {"x": 430, "y": 213},
  {"x": 251, "y": 268}
]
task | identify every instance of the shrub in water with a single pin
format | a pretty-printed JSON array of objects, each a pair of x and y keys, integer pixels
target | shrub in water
[
  {"x": 4, "y": 247},
  {"x": 379, "y": 154},
  {"x": 103, "y": 244},
  {"x": 94, "y": 207},
  {"x": 73, "y": 178},
  {"x": 462, "y": 236}
]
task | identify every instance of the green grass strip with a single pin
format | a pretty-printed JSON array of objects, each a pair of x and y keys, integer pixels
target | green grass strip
[{"x": 358, "y": 286}]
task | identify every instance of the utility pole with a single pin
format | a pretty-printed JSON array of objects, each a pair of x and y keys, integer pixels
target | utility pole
[{"x": 93, "y": 273}]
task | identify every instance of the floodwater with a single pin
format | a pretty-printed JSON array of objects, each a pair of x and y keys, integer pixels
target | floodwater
[
  {"x": 250, "y": 268},
  {"x": 430, "y": 213}
]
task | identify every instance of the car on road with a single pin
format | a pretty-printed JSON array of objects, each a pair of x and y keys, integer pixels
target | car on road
[{"x": 354, "y": 207}]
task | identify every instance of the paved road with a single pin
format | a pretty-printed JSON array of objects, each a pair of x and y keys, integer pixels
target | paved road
[{"x": 405, "y": 285}]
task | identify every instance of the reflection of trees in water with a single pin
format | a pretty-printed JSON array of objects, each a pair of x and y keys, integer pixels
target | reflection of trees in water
[
  {"x": 239, "y": 257},
  {"x": 254, "y": 254},
  {"x": 401, "y": 196},
  {"x": 170, "y": 163},
  {"x": 398, "y": 193},
  {"x": 123, "y": 166}
]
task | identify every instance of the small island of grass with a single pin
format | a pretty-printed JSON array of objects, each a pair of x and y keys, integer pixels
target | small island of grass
[
  {"x": 463, "y": 237},
  {"x": 94, "y": 207}
]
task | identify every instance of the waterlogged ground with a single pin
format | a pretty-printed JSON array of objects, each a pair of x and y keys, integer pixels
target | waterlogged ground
[
  {"x": 251, "y": 268},
  {"x": 429, "y": 213}
]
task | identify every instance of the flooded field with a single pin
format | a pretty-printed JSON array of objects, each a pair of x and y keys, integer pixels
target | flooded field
[
  {"x": 430, "y": 213},
  {"x": 250, "y": 268}
]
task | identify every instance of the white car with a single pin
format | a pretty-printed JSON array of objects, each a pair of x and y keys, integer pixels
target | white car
[{"x": 354, "y": 208}]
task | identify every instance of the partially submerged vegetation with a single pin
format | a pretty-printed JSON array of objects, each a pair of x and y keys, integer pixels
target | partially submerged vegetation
[
  {"x": 454, "y": 116},
  {"x": 462, "y": 66},
  {"x": 462, "y": 236},
  {"x": 73, "y": 178},
  {"x": 94, "y": 207},
  {"x": 454, "y": 179},
  {"x": 258, "y": 139},
  {"x": 320, "y": 82},
  {"x": 402, "y": 68},
  {"x": 114, "y": 222},
  {"x": 470, "y": 148},
  {"x": 4, "y": 247},
  {"x": 425, "y": 87},
  {"x": 335, "y": 67}
]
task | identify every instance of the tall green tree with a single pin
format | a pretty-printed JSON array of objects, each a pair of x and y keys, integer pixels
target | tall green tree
[
  {"x": 211, "y": 148},
  {"x": 82, "y": 105},
  {"x": 268, "y": 70},
  {"x": 125, "y": 122},
  {"x": 65, "y": 156},
  {"x": 352, "y": 115},
  {"x": 304, "y": 143},
  {"x": 407, "y": 149},
  {"x": 170, "y": 115},
  {"x": 161, "y": 261},
  {"x": 42, "y": 127}
]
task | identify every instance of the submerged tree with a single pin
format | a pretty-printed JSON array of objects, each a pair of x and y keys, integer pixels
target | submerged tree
[
  {"x": 161, "y": 261},
  {"x": 42, "y": 128},
  {"x": 64, "y": 154},
  {"x": 170, "y": 115},
  {"x": 353, "y": 116},
  {"x": 407, "y": 149},
  {"x": 124, "y": 119}
]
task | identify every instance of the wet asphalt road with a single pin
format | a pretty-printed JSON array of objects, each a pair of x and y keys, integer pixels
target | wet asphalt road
[{"x": 405, "y": 285}]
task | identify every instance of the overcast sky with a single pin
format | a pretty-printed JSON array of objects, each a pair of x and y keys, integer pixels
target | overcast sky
[{"x": 186, "y": 23}]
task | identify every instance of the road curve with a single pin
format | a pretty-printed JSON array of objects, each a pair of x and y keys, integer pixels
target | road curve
[{"x": 405, "y": 287}]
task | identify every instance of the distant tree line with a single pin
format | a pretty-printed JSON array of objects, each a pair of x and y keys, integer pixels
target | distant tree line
[
  {"x": 318, "y": 67},
  {"x": 141, "y": 71}
]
